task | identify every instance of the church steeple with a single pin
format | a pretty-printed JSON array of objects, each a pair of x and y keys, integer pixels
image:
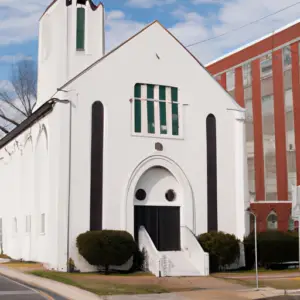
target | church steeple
[{"x": 71, "y": 37}]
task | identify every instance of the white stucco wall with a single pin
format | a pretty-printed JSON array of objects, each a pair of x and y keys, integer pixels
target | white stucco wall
[
  {"x": 31, "y": 174},
  {"x": 112, "y": 82}
]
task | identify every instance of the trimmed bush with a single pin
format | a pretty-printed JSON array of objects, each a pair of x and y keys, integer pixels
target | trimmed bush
[
  {"x": 223, "y": 249},
  {"x": 106, "y": 248},
  {"x": 273, "y": 247}
]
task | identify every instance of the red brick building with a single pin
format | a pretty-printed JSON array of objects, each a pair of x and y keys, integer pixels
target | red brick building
[{"x": 263, "y": 77}]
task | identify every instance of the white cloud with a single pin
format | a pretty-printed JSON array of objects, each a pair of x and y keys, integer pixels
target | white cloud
[
  {"x": 230, "y": 15},
  {"x": 119, "y": 28},
  {"x": 149, "y": 3},
  {"x": 19, "y": 21}
]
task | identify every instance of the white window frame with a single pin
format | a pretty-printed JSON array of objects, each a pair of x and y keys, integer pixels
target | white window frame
[{"x": 156, "y": 135}]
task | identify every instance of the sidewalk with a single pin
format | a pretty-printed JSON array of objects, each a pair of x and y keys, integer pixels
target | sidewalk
[
  {"x": 261, "y": 276},
  {"x": 213, "y": 289}
]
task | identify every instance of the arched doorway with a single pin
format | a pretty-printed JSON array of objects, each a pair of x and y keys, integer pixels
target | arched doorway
[
  {"x": 157, "y": 207},
  {"x": 160, "y": 198}
]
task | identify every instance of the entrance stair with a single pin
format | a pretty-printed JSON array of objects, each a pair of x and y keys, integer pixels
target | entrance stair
[{"x": 190, "y": 261}]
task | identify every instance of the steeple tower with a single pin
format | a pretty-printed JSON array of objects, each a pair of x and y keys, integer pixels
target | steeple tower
[{"x": 71, "y": 37}]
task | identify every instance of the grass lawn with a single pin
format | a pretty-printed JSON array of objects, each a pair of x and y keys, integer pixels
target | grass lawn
[{"x": 111, "y": 285}]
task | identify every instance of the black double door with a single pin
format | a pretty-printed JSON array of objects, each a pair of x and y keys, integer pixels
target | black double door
[{"x": 162, "y": 223}]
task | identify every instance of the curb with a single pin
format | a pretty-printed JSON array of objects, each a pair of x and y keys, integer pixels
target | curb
[{"x": 45, "y": 293}]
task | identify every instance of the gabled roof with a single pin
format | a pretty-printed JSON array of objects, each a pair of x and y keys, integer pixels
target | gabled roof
[
  {"x": 92, "y": 4},
  {"x": 41, "y": 112},
  {"x": 125, "y": 42}
]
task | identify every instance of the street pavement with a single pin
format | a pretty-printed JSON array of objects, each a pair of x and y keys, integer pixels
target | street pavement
[{"x": 13, "y": 290}]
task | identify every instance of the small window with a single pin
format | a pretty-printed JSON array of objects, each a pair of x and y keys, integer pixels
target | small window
[
  {"x": 43, "y": 223},
  {"x": 247, "y": 74},
  {"x": 266, "y": 66},
  {"x": 80, "y": 39},
  {"x": 28, "y": 224},
  {"x": 287, "y": 57},
  {"x": 272, "y": 223},
  {"x": 230, "y": 80},
  {"x": 15, "y": 225}
]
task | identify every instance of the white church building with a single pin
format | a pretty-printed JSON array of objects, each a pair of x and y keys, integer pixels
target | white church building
[{"x": 140, "y": 139}]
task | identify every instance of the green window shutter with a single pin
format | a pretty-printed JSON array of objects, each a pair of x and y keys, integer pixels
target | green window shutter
[
  {"x": 137, "y": 109},
  {"x": 163, "y": 110},
  {"x": 80, "y": 28},
  {"x": 175, "y": 117},
  {"x": 150, "y": 108}
]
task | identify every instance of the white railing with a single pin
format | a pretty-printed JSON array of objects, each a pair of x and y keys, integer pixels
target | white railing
[
  {"x": 152, "y": 256},
  {"x": 194, "y": 251}
]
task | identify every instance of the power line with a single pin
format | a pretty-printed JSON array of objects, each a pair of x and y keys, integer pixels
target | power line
[{"x": 248, "y": 24}]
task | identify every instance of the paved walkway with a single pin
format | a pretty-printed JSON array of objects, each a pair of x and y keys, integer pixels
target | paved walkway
[{"x": 261, "y": 276}]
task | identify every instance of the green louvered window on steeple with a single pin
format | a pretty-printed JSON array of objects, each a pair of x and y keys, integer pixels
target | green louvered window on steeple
[{"x": 80, "y": 39}]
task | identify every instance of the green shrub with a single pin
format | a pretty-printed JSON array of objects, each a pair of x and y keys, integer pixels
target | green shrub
[
  {"x": 106, "y": 248},
  {"x": 223, "y": 249},
  {"x": 272, "y": 247}
]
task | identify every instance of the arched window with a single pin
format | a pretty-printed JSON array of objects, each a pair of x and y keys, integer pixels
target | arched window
[
  {"x": 272, "y": 223},
  {"x": 97, "y": 166},
  {"x": 80, "y": 38},
  {"x": 212, "y": 197}
]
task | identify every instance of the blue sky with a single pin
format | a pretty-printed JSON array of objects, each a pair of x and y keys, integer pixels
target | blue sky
[{"x": 188, "y": 20}]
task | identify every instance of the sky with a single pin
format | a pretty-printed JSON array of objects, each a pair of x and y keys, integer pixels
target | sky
[{"x": 189, "y": 20}]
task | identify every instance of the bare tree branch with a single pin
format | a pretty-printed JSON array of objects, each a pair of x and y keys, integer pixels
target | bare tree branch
[
  {"x": 9, "y": 120},
  {"x": 19, "y": 103},
  {"x": 5, "y": 98}
]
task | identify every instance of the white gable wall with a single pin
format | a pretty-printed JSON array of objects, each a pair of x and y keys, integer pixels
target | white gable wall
[{"x": 112, "y": 82}]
